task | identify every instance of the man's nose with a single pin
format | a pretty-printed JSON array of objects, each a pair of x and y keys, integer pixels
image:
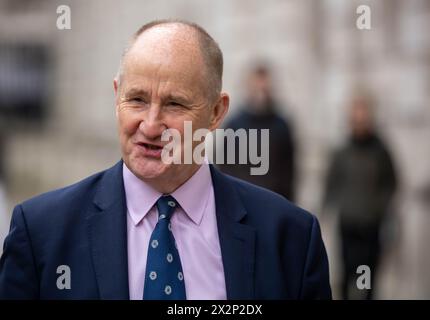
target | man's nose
[{"x": 152, "y": 125}]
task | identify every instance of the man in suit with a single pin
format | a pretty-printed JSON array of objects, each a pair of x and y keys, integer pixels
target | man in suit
[{"x": 155, "y": 230}]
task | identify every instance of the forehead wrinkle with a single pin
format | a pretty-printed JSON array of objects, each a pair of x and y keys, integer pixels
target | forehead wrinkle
[
  {"x": 160, "y": 79},
  {"x": 163, "y": 92}
]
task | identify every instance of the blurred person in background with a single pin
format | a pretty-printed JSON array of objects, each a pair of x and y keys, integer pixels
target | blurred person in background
[
  {"x": 360, "y": 184},
  {"x": 259, "y": 111}
]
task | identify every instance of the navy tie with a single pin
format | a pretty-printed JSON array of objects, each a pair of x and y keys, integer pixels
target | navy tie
[{"x": 164, "y": 279}]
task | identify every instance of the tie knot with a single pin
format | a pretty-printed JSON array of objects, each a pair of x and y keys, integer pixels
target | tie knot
[{"x": 166, "y": 205}]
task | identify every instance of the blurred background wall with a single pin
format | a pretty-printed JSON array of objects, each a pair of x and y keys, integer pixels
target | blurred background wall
[{"x": 63, "y": 126}]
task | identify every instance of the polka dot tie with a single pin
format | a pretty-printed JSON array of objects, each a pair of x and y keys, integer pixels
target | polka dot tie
[{"x": 164, "y": 279}]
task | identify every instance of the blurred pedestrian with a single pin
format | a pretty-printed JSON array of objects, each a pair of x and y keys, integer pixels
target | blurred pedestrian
[
  {"x": 360, "y": 184},
  {"x": 260, "y": 111}
]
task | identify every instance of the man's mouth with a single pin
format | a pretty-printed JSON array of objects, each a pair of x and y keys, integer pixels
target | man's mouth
[
  {"x": 151, "y": 150},
  {"x": 152, "y": 146}
]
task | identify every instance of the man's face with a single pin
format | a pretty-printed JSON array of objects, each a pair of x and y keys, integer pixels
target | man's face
[
  {"x": 259, "y": 90},
  {"x": 361, "y": 122},
  {"x": 163, "y": 84}
]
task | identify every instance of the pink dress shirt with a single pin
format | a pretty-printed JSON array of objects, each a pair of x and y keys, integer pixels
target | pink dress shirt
[{"x": 194, "y": 227}]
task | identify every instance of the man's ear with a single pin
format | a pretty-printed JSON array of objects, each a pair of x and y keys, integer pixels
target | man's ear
[
  {"x": 116, "y": 92},
  {"x": 115, "y": 86},
  {"x": 219, "y": 111}
]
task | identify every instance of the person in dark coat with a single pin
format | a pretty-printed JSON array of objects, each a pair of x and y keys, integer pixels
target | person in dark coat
[
  {"x": 360, "y": 184},
  {"x": 260, "y": 111}
]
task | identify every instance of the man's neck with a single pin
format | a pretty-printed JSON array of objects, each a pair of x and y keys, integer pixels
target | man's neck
[{"x": 168, "y": 185}]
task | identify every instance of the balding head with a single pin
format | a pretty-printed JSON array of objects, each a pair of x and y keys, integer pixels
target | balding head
[
  {"x": 170, "y": 77},
  {"x": 177, "y": 39}
]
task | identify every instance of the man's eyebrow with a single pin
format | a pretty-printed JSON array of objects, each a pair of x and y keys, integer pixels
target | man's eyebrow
[
  {"x": 136, "y": 92},
  {"x": 176, "y": 97}
]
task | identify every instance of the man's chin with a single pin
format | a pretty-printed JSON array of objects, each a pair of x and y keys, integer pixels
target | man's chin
[{"x": 149, "y": 169}]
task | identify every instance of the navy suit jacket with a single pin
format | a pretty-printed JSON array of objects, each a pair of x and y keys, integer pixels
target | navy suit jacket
[{"x": 270, "y": 248}]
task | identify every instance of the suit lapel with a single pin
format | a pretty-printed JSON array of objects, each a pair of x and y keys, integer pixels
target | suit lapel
[
  {"x": 237, "y": 240},
  {"x": 107, "y": 224}
]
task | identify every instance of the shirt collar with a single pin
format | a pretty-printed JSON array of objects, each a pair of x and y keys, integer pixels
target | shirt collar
[{"x": 192, "y": 196}]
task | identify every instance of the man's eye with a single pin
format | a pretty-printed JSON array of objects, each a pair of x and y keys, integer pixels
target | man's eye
[
  {"x": 175, "y": 104},
  {"x": 137, "y": 99}
]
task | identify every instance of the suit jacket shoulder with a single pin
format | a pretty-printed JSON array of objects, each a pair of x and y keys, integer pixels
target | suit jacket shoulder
[
  {"x": 259, "y": 200},
  {"x": 61, "y": 205},
  {"x": 61, "y": 228},
  {"x": 282, "y": 243}
]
